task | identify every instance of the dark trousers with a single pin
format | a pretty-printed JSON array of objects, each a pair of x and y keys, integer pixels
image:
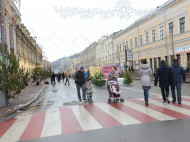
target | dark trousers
[
  {"x": 67, "y": 80},
  {"x": 83, "y": 91},
  {"x": 178, "y": 87},
  {"x": 165, "y": 92}
]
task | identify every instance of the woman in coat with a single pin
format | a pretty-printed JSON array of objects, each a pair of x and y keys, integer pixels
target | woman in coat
[{"x": 145, "y": 72}]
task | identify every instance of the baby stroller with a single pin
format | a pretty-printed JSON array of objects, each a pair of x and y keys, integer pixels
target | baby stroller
[{"x": 113, "y": 91}]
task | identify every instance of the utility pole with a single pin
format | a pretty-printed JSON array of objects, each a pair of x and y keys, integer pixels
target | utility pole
[
  {"x": 36, "y": 49},
  {"x": 173, "y": 40},
  {"x": 3, "y": 97}
]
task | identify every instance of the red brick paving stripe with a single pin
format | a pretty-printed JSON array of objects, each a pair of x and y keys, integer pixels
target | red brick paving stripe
[
  {"x": 102, "y": 117},
  {"x": 175, "y": 104},
  {"x": 163, "y": 110},
  {"x": 134, "y": 113},
  {"x": 34, "y": 127},
  {"x": 69, "y": 121},
  {"x": 5, "y": 125},
  {"x": 186, "y": 99}
]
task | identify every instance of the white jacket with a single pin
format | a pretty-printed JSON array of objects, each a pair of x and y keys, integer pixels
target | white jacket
[{"x": 145, "y": 72}]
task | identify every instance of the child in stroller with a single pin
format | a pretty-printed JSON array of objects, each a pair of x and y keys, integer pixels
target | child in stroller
[{"x": 113, "y": 87}]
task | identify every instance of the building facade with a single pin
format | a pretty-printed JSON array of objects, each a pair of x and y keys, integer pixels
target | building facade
[
  {"x": 11, "y": 15},
  {"x": 162, "y": 34},
  {"x": 28, "y": 51},
  {"x": 88, "y": 56}
]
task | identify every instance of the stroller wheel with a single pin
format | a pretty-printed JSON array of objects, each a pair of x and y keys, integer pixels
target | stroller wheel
[
  {"x": 121, "y": 100},
  {"x": 109, "y": 100}
]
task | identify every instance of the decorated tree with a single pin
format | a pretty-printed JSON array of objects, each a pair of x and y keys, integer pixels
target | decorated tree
[
  {"x": 98, "y": 79},
  {"x": 15, "y": 78}
]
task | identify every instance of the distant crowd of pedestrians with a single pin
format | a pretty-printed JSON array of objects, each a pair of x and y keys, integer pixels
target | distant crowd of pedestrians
[{"x": 60, "y": 76}]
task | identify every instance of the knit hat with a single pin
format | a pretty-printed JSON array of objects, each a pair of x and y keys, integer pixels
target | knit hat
[{"x": 81, "y": 68}]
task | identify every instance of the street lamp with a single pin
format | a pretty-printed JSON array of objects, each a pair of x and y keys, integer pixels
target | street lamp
[
  {"x": 3, "y": 97},
  {"x": 36, "y": 48}
]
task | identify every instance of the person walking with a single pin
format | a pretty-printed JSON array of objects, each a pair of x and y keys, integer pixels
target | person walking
[
  {"x": 164, "y": 77},
  {"x": 59, "y": 77},
  {"x": 37, "y": 79},
  {"x": 67, "y": 77},
  {"x": 177, "y": 74},
  {"x": 80, "y": 81},
  {"x": 53, "y": 78},
  {"x": 145, "y": 72},
  {"x": 85, "y": 74},
  {"x": 63, "y": 76},
  {"x": 31, "y": 79}
]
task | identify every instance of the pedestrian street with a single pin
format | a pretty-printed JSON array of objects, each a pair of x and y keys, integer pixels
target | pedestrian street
[{"x": 57, "y": 114}]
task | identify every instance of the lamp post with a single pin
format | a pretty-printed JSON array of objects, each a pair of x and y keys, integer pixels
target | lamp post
[
  {"x": 3, "y": 97},
  {"x": 36, "y": 49}
]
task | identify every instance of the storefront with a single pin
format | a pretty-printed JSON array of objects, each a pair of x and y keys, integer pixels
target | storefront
[{"x": 183, "y": 56}]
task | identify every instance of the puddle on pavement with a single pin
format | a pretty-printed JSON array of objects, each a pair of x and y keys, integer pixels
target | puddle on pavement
[{"x": 71, "y": 103}]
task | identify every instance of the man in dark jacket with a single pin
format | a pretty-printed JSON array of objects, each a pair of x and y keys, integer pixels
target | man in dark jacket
[
  {"x": 177, "y": 75},
  {"x": 53, "y": 78},
  {"x": 79, "y": 78},
  {"x": 164, "y": 76}
]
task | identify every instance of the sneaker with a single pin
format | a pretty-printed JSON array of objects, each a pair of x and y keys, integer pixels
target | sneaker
[{"x": 173, "y": 101}]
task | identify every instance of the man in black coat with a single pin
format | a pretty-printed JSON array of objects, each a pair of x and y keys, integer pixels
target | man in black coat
[
  {"x": 53, "y": 78},
  {"x": 177, "y": 74},
  {"x": 165, "y": 78},
  {"x": 80, "y": 83}
]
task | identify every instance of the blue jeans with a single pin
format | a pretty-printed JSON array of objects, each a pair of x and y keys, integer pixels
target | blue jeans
[
  {"x": 178, "y": 86},
  {"x": 146, "y": 94}
]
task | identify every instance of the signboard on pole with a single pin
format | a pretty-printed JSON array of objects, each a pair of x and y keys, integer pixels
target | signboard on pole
[{"x": 129, "y": 55}]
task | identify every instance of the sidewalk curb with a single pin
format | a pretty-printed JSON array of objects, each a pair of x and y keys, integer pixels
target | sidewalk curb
[{"x": 10, "y": 111}]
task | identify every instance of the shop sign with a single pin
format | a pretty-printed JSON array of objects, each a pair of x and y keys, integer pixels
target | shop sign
[{"x": 182, "y": 49}]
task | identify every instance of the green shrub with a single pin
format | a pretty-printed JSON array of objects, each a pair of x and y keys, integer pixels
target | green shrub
[
  {"x": 122, "y": 75},
  {"x": 98, "y": 79},
  {"x": 127, "y": 79}
]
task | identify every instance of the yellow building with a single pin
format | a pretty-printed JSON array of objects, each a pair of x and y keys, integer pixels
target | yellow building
[
  {"x": 26, "y": 49},
  {"x": 159, "y": 35}
]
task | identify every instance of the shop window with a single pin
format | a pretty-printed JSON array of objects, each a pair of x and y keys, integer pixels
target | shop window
[
  {"x": 179, "y": 59},
  {"x": 182, "y": 25}
]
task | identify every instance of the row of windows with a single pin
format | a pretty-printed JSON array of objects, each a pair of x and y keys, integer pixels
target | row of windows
[{"x": 161, "y": 35}]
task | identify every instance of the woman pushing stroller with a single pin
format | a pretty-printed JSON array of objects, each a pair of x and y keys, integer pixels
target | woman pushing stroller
[{"x": 113, "y": 86}]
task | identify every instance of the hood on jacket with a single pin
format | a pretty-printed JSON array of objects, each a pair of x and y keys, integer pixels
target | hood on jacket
[
  {"x": 145, "y": 66},
  {"x": 176, "y": 65}
]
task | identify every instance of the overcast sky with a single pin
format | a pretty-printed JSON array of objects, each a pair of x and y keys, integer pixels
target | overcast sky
[{"x": 65, "y": 27}]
